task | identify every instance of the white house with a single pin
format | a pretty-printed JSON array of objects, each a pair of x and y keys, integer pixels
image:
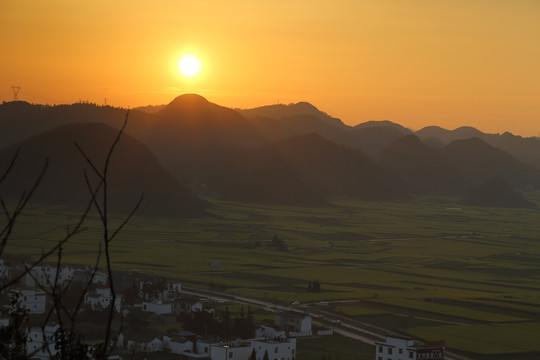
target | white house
[
  {"x": 232, "y": 351},
  {"x": 100, "y": 278},
  {"x": 267, "y": 331},
  {"x": 405, "y": 348},
  {"x": 157, "y": 306},
  {"x": 41, "y": 342},
  {"x": 187, "y": 306},
  {"x": 45, "y": 276},
  {"x": 177, "y": 345},
  {"x": 293, "y": 321},
  {"x": 202, "y": 348},
  {"x": 101, "y": 298},
  {"x": 282, "y": 349},
  {"x": 34, "y": 301},
  {"x": 144, "y": 344},
  {"x": 187, "y": 343}
]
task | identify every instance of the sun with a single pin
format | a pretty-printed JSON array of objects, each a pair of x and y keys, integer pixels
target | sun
[{"x": 189, "y": 65}]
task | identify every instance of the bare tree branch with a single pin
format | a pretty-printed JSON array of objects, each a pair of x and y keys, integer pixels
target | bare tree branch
[
  {"x": 12, "y": 217},
  {"x": 10, "y": 166}
]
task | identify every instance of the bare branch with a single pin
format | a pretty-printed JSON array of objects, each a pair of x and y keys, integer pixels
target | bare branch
[
  {"x": 88, "y": 161},
  {"x": 126, "y": 220},
  {"x": 25, "y": 198},
  {"x": 10, "y": 166}
]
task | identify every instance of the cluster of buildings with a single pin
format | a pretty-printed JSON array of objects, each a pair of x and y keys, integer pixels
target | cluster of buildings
[
  {"x": 188, "y": 345},
  {"x": 157, "y": 306},
  {"x": 160, "y": 305}
]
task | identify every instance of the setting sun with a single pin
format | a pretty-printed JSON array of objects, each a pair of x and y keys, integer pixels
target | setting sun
[{"x": 189, "y": 65}]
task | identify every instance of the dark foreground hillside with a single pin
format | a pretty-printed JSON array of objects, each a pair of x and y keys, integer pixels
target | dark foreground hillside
[{"x": 133, "y": 171}]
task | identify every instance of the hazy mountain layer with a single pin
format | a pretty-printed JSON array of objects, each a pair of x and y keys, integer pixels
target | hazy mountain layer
[{"x": 217, "y": 150}]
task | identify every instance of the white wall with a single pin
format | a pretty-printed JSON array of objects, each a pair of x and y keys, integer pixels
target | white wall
[
  {"x": 34, "y": 301},
  {"x": 276, "y": 350},
  {"x": 158, "y": 308}
]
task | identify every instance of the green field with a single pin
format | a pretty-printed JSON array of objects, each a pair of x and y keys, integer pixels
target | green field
[{"x": 426, "y": 267}]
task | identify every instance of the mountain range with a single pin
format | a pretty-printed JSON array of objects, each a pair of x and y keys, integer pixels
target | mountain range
[{"x": 292, "y": 154}]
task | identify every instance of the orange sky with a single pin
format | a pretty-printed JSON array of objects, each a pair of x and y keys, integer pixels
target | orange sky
[{"x": 416, "y": 62}]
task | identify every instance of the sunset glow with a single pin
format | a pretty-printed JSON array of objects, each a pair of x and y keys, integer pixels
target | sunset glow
[{"x": 417, "y": 63}]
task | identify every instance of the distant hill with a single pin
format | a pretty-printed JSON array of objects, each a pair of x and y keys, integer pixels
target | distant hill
[
  {"x": 478, "y": 162},
  {"x": 275, "y": 129},
  {"x": 526, "y": 150},
  {"x": 279, "y": 111},
  {"x": 433, "y": 143},
  {"x": 20, "y": 120},
  {"x": 210, "y": 167},
  {"x": 317, "y": 166},
  {"x": 274, "y": 182},
  {"x": 424, "y": 170},
  {"x": 189, "y": 122},
  {"x": 447, "y": 136},
  {"x": 382, "y": 123},
  {"x": 133, "y": 171},
  {"x": 496, "y": 193},
  {"x": 373, "y": 140}
]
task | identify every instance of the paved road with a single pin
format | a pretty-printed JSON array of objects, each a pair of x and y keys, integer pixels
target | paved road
[{"x": 350, "y": 328}]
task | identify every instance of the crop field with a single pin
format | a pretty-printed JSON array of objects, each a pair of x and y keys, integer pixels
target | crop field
[{"x": 427, "y": 267}]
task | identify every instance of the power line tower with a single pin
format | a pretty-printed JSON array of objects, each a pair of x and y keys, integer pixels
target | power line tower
[{"x": 16, "y": 90}]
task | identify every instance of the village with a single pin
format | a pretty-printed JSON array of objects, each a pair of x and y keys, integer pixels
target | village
[
  {"x": 155, "y": 319},
  {"x": 142, "y": 303}
]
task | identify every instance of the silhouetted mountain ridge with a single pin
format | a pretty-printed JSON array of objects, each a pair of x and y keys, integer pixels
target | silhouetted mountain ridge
[
  {"x": 214, "y": 148},
  {"x": 278, "y": 111}
]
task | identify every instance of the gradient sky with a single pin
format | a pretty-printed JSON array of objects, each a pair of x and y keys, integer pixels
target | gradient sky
[{"x": 416, "y": 62}]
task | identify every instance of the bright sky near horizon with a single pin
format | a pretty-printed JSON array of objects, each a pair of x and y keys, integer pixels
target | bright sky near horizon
[{"x": 417, "y": 62}]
